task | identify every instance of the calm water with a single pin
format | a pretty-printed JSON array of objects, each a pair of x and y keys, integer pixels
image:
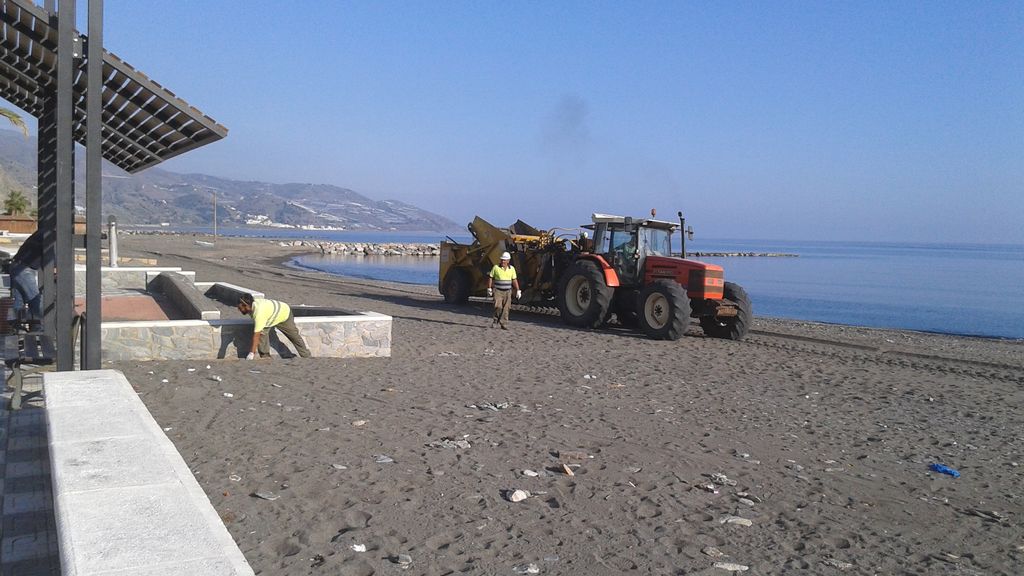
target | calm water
[
  {"x": 975, "y": 289},
  {"x": 952, "y": 288}
]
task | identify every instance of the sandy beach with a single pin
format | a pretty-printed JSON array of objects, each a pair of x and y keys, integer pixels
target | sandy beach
[{"x": 804, "y": 449}]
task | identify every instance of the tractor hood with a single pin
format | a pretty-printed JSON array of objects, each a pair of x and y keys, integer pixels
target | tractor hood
[{"x": 701, "y": 280}]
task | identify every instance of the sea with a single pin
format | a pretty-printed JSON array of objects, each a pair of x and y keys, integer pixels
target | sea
[{"x": 950, "y": 288}]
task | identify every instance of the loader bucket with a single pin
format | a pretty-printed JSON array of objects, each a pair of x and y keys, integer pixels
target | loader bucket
[{"x": 492, "y": 240}]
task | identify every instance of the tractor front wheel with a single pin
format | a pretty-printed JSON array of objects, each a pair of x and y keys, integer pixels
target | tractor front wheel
[
  {"x": 583, "y": 297},
  {"x": 456, "y": 286},
  {"x": 731, "y": 327},
  {"x": 664, "y": 310}
]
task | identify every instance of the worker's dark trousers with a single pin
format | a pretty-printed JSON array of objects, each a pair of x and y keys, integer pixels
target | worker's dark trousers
[
  {"x": 290, "y": 330},
  {"x": 502, "y": 304}
]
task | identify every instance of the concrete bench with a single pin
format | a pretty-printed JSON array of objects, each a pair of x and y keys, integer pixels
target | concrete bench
[
  {"x": 182, "y": 291},
  {"x": 225, "y": 292},
  {"x": 124, "y": 500}
]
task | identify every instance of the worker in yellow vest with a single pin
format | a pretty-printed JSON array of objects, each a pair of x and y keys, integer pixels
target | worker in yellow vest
[
  {"x": 500, "y": 283},
  {"x": 268, "y": 315}
]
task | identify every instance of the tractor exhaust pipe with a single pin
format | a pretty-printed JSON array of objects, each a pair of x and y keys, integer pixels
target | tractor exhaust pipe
[{"x": 683, "y": 233}]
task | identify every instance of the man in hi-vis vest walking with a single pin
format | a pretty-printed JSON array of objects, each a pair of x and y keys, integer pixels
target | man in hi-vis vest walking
[
  {"x": 269, "y": 315},
  {"x": 500, "y": 284}
]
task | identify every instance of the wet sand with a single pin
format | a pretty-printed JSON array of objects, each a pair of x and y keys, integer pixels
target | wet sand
[{"x": 824, "y": 435}]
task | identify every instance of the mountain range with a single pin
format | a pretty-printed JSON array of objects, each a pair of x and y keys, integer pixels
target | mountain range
[{"x": 157, "y": 196}]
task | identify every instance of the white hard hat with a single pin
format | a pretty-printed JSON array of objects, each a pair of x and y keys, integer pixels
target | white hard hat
[{"x": 506, "y": 256}]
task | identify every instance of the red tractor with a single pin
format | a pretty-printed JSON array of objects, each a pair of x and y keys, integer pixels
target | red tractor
[{"x": 628, "y": 270}]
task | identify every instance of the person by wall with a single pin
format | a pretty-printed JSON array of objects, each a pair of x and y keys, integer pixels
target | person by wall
[
  {"x": 268, "y": 315},
  {"x": 24, "y": 272}
]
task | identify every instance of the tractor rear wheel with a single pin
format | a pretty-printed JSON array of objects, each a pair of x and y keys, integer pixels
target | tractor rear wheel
[
  {"x": 731, "y": 327},
  {"x": 583, "y": 297},
  {"x": 456, "y": 286},
  {"x": 664, "y": 310}
]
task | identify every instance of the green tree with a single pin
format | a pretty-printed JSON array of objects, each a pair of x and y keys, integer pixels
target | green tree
[
  {"x": 15, "y": 119},
  {"x": 16, "y": 203}
]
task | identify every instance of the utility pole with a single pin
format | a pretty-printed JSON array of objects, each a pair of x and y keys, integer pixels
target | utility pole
[{"x": 215, "y": 215}]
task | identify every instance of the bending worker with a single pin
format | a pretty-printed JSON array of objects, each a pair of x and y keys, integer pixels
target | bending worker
[
  {"x": 500, "y": 283},
  {"x": 268, "y": 315},
  {"x": 24, "y": 283}
]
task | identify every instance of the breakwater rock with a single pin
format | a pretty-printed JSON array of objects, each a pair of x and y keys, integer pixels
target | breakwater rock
[
  {"x": 428, "y": 250},
  {"x": 367, "y": 248}
]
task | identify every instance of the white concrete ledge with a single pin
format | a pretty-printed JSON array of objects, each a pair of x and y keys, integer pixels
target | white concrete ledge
[
  {"x": 117, "y": 277},
  {"x": 226, "y": 292},
  {"x": 151, "y": 270},
  {"x": 299, "y": 320},
  {"x": 352, "y": 335},
  {"x": 125, "y": 501}
]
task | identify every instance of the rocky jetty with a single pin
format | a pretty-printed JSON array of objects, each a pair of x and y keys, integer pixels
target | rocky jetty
[
  {"x": 368, "y": 248},
  {"x": 418, "y": 249},
  {"x": 404, "y": 249}
]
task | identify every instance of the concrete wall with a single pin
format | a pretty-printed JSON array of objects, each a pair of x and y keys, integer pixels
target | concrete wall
[
  {"x": 125, "y": 502},
  {"x": 350, "y": 336},
  {"x": 136, "y": 277}
]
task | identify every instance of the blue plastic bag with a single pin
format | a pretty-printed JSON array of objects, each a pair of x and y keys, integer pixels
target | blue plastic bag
[{"x": 943, "y": 469}]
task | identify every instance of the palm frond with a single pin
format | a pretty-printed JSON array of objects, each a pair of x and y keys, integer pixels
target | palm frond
[{"x": 15, "y": 119}]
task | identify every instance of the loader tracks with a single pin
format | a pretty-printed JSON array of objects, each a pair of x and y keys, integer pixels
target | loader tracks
[{"x": 897, "y": 358}]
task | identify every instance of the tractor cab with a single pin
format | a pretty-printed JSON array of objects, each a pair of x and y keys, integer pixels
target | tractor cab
[{"x": 625, "y": 243}]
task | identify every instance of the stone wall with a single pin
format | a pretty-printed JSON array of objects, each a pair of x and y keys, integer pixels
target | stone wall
[{"x": 352, "y": 336}]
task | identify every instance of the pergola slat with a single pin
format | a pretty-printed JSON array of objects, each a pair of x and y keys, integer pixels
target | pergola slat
[{"x": 143, "y": 122}]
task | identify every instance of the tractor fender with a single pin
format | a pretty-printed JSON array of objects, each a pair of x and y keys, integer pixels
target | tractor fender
[{"x": 611, "y": 278}]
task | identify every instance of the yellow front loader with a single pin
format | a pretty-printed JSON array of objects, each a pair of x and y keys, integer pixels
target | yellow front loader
[{"x": 537, "y": 256}]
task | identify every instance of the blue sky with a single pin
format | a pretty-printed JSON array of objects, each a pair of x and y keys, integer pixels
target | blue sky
[{"x": 780, "y": 120}]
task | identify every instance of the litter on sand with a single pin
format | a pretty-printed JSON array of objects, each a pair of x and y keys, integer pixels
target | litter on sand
[{"x": 943, "y": 469}]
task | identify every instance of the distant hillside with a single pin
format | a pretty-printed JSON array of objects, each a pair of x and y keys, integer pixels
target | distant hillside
[{"x": 157, "y": 196}]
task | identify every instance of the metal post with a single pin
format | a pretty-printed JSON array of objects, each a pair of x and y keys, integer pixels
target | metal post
[
  {"x": 65, "y": 302},
  {"x": 112, "y": 240},
  {"x": 46, "y": 197},
  {"x": 46, "y": 193},
  {"x": 93, "y": 189},
  {"x": 215, "y": 215}
]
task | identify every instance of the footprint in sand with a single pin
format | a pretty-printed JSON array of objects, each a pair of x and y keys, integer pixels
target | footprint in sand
[
  {"x": 361, "y": 568},
  {"x": 352, "y": 520},
  {"x": 443, "y": 540}
]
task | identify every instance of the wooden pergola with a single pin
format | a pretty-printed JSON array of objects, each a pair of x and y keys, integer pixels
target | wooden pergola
[{"x": 65, "y": 79}]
